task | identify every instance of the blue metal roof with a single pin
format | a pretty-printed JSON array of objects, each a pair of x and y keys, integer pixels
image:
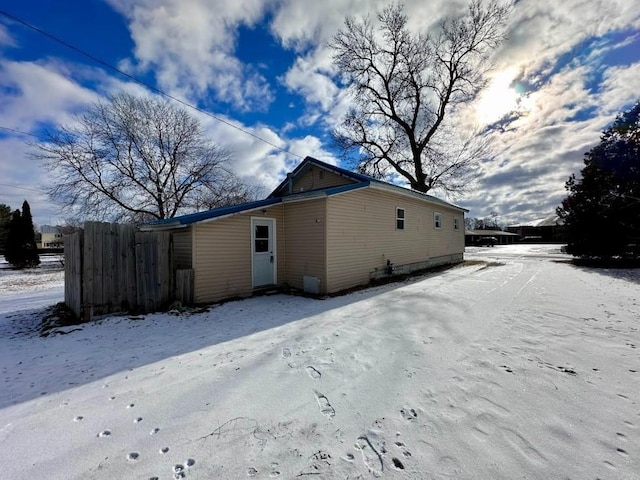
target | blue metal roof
[{"x": 214, "y": 213}]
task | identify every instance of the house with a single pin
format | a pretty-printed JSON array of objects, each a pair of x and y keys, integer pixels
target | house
[
  {"x": 322, "y": 230},
  {"x": 475, "y": 237},
  {"x": 545, "y": 230},
  {"x": 51, "y": 237}
]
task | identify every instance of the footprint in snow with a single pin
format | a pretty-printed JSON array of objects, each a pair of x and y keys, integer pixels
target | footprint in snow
[
  {"x": 252, "y": 472},
  {"x": 78, "y": 418},
  {"x": 409, "y": 414},
  {"x": 348, "y": 457},
  {"x": 313, "y": 373},
  {"x": 105, "y": 433},
  {"x": 286, "y": 353},
  {"x": 133, "y": 456},
  {"x": 154, "y": 431},
  {"x": 370, "y": 456},
  {"x": 403, "y": 448},
  {"x": 325, "y": 407},
  {"x": 274, "y": 473}
]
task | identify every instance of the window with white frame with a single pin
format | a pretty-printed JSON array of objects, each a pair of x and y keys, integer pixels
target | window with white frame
[
  {"x": 399, "y": 218},
  {"x": 456, "y": 223},
  {"x": 437, "y": 220}
]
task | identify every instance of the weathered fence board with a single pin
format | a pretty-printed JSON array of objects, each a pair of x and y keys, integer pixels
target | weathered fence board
[
  {"x": 153, "y": 270},
  {"x": 73, "y": 272},
  {"x": 184, "y": 285},
  {"x": 114, "y": 268}
]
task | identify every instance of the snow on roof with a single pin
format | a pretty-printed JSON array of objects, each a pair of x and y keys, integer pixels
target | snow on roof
[
  {"x": 552, "y": 221},
  {"x": 490, "y": 233}
]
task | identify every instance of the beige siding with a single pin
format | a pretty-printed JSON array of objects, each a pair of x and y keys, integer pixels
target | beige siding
[
  {"x": 182, "y": 249},
  {"x": 222, "y": 255},
  {"x": 362, "y": 235},
  {"x": 315, "y": 178},
  {"x": 305, "y": 225}
]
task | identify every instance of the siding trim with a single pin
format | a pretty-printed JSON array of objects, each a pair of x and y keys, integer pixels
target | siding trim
[{"x": 325, "y": 287}]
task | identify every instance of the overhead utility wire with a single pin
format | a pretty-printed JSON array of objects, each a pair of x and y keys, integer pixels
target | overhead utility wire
[
  {"x": 20, "y": 188},
  {"x": 141, "y": 82},
  {"x": 18, "y": 131}
]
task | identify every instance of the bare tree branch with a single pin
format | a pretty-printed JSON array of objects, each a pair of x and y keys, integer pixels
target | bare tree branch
[
  {"x": 137, "y": 159},
  {"x": 404, "y": 87}
]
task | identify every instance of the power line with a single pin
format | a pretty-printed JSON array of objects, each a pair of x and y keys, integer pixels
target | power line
[
  {"x": 141, "y": 82},
  {"x": 20, "y": 188},
  {"x": 18, "y": 131}
]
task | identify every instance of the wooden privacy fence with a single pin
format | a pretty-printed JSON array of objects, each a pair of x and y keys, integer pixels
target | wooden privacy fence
[{"x": 112, "y": 268}]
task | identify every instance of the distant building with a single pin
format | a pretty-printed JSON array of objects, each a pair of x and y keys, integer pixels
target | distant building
[
  {"x": 51, "y": 237},
  {"x": 479, "y": 237},
  {"x": 544, "y": 230}
]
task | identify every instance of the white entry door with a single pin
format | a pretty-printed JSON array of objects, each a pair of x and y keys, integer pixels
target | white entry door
[{"x": 263, "y": 251}]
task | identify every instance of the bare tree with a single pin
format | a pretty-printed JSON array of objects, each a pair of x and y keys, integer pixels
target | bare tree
[
  {"x": 137, "y": 159},
  {"x": 404, "y": 85}
]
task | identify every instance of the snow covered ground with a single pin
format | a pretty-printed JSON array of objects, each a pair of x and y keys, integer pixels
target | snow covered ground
[
  {"x": 32, "y": 288},
  {"x": 523, "y": 367}
]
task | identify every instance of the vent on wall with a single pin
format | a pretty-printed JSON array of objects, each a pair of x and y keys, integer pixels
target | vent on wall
[{"x": 311, "y": 284}]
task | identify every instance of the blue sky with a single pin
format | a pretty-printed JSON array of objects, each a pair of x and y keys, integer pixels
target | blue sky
[{"x": 565, "y": 71}]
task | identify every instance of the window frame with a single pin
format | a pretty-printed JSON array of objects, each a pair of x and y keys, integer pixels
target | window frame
[
  {"x": 456, "y": 223},
  {"x": 400, "y": 220},
  {"x": 437, "y": 220}
]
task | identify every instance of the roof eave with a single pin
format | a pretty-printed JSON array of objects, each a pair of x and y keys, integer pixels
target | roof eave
[{"x": 410, "y": 193}]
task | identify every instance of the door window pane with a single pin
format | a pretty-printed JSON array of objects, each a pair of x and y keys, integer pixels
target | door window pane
[
  {"x": 262, "y": 231},
  {"x": 261, "y": 238},
  {"x": 261, "y": 245}
]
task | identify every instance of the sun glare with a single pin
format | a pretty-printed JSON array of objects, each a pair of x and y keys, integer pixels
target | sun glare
[{"x": 499, "y": 98}]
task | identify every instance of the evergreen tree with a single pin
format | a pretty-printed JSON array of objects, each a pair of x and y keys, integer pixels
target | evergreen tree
[
  {"x": 21, "y": 250},
  {"x": 29, "y": 237},
  {"x": 602, "y": 211},
  {"x": 5, "y": 218},
  {"x": 12, "y": 248}
]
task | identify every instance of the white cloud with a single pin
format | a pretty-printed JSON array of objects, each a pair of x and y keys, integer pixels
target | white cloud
[
  {"x": 300, "y": 24},
  {"x": 539, "y": 152},
  {"x": 620, "y": 87},
  {"x": 310, "y": 76},
  {"x": 541, "y": 32},
  {"x": 5, "y": 39},
  {"x": 35, "y": 94},
  {"x": 23, "y": 178},
  {"x": 39, "y": 92},
  {"x": 190, "y": 46}
]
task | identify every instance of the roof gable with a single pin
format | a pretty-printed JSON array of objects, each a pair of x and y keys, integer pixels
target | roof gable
[{"x": 286, "y": 187}]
